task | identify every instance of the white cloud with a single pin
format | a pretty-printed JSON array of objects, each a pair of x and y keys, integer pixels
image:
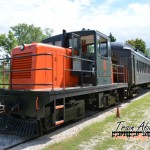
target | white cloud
[
  {"x": 129, "y": 23},
  {"x": 125, "y": 23},
  {"x": 133, "y": 22},
  {"x": 139, "y": 8}
]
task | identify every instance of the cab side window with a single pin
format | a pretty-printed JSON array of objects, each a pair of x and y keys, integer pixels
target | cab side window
[{"x": 103, "y": 46}]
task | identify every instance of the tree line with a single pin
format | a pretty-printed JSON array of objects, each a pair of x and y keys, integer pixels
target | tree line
[
  {"x": 136, "y": 43},
  {"x": 24, "y": 33}
]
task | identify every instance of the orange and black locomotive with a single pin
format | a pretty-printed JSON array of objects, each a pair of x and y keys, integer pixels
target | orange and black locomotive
[{"x": 53, "y": 82}]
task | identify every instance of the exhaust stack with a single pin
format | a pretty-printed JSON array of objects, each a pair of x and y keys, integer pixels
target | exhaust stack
[{"x": 64, "y": 39}]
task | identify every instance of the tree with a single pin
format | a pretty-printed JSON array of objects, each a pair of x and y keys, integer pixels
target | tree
[
  {"x": 25, "y": 33},
  {"x": 112, "y": 38},
  {"x": 8, "y": 42},
  {"x": 48, "y": 32},
  {"x": 148, "y": 52},
  {"x": 138, "y": 44}
]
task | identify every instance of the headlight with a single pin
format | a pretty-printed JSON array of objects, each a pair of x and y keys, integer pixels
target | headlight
[{"x": 22, "y": 47}]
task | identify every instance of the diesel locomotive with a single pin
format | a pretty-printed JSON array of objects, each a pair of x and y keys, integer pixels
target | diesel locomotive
[{"x": 54, "y": 81}]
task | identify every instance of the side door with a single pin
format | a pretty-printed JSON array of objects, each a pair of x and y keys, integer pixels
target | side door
[
  {"x": 76, "y": 54},
  {"x": 133, "y": 68},
  {"x": 103, "y": 61}
]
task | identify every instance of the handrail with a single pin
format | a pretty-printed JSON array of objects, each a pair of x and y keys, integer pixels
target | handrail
[
  {"x": 28, "y": 84},
  {"x": 9, "y": 58},
  {"x": 120, "y": 73},
  {"x": 71, "y": 70},
  {"x": 53, "y": 75},
  {"x": 79, "y": 70},
  {"x": 4, "y": 75},
  {"x": 74, "y": 57},
  {"x": 24, "y": 70},
  {"x": 5, "y": 70}
]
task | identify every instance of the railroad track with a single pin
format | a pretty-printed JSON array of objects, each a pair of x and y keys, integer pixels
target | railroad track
[{"x": 10, "y": 142}]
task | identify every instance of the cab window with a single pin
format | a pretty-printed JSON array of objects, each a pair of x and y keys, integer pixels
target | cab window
[{"x": 102, "y": 46}]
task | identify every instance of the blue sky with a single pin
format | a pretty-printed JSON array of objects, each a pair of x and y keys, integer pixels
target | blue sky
[{"x": 123, "y": 18}]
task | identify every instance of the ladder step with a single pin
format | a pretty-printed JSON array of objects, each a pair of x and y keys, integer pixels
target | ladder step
[
  {"x": 59, "y": 122},
  {"x": 59, "y": 107}
]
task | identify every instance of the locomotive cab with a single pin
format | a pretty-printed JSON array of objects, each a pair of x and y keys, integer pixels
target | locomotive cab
[{"x": 91, "y": 60}]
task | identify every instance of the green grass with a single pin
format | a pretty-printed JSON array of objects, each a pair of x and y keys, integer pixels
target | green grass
[{"x": 133, "y": 114}]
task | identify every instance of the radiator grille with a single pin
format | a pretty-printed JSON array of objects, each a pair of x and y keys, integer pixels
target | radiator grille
[{"x": 21, "y": 66}]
